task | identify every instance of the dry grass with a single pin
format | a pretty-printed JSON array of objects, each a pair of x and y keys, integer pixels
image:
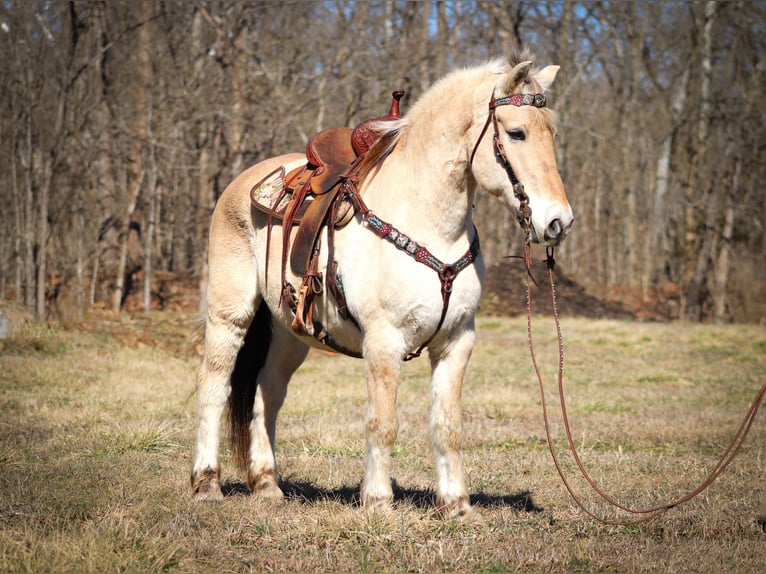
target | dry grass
[{"x": 97, "y": 433}]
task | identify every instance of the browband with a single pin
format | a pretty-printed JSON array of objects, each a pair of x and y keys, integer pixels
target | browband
[
  {"x": 536, "y": 100},
  {"x": 518, "y": 100}
]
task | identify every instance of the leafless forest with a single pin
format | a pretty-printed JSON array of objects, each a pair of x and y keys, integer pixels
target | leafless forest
[{"x": 122, "y": 122}]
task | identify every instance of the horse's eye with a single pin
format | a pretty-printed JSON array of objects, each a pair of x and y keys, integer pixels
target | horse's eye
[{"x": 517, "y": 135}]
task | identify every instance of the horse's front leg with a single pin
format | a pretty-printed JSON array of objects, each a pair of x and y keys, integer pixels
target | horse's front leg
[
  {"x": 383, "y": 366},
  {"x": 446, "y": 426}
]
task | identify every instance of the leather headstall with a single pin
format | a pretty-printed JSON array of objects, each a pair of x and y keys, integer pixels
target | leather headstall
[{"x": 524, "y": 215}]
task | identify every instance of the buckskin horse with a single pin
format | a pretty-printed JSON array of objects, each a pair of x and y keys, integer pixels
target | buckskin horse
[{"x": 365, "y": 244}]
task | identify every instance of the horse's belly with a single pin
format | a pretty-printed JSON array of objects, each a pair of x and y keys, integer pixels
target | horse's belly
[{"x": 330, "y": 330}]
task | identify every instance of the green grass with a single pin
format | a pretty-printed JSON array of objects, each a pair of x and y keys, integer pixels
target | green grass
[
  {"x": 35, "y": 339},
  {"x": 97, "y": 433}
]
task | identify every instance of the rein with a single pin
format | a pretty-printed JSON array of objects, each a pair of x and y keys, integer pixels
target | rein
[
  {"x": 524, "y": 219},
  {"x": 646, "y": 514}
]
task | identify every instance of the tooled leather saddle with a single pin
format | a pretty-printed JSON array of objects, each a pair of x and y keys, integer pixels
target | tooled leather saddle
[{"x": 311, "y": 199}]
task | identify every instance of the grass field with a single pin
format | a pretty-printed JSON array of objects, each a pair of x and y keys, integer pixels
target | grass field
[{"x": 97, "y": 431}]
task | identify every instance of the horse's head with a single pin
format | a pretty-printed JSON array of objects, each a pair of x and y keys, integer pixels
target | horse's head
[{"x": 516, "y": 147}]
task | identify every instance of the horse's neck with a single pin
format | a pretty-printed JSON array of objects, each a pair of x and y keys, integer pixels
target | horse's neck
[{"x": 425, "y": 192}]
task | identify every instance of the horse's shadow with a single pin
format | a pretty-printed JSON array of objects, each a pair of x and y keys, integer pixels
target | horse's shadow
[{"x": 308, "y": 492}]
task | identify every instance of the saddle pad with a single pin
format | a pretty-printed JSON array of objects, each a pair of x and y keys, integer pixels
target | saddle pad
[
  {"x": 272, "y": 195},
  {"x": 269, "y": 195}
]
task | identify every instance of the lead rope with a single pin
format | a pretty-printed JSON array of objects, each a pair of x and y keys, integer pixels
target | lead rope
[{"x": 645, "y": 514}]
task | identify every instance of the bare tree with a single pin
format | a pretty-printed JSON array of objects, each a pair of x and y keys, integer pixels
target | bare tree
[
  {"x": 120, "y": 119},
  {"x": 697, "y": 293}
]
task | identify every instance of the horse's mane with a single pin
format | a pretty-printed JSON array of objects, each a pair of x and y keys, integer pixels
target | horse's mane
[{"x": 392, "y": 132}]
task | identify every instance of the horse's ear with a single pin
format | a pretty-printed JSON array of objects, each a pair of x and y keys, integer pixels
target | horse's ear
[
  {"x": 546, "y": 76},
  {"x": 513, "y": 79}
]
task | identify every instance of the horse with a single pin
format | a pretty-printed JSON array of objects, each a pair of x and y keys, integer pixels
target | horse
[{"x": 480, "y": 128}]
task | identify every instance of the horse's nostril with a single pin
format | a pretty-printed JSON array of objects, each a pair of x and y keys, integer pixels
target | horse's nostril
[
  {"x": 554, "y": 228},
  {"x": 557, "y": 230}
]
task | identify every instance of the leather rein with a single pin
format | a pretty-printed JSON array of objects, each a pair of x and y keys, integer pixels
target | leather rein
[
  {"x": 643, "y": 514},
  {"x": 524, "y": 219}
]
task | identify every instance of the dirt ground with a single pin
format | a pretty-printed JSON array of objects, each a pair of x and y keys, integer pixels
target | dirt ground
[
  {"x": 98, "y": 427},
  {"x": 506, "y": 287}
]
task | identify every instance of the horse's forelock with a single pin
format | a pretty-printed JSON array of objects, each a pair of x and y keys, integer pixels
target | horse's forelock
[
  {"x": 548, "y": 119},
  {"x": 518, "y": 56},
  {"x": 544, "y": 115}
]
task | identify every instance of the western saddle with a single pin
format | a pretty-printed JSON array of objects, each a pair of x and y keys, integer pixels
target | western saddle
[{"x": 312, "y": 198}]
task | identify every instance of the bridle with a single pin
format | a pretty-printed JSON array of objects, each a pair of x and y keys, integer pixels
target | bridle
[
  {"x": 524, "y": 215},
  {"x": 524, "y": 219},
  {"x": 448, "y": 272}
]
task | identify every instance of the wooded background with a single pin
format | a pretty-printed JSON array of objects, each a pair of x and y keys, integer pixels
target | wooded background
[{"x": 122, "y": 122}]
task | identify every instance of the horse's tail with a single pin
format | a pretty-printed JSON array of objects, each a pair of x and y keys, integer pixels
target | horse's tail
[{"x": 250, "y": 361}]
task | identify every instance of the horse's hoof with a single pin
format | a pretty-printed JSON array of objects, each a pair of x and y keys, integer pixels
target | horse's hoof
[
  {"x": 265, "y": 486},
  {"x": 206, "y": 487},
  {"x": 269, "y": 491},
  {"x": 378, "y": 505},
  {"x": 461, "y": 510},
  {"x": 469, "y": 516},
  {"x": 207, "y": 495}
]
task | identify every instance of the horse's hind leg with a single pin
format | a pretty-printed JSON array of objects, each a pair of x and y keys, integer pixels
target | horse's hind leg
[
  {"x": 286, "y": 354},
  {"x": 232, "y": 299},
  {"x": 223, "y": 339},
  {"x": 448, "y": 369}
]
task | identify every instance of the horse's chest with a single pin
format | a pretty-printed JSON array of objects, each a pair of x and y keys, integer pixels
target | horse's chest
[{"x": 383, "y": 283}]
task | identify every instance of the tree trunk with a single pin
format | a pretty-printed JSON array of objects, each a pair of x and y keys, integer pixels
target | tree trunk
[
  {"x": 631, "y": 146},
  {"x": 80, "y": 265},
  {"x": 104, "y": 256},
  {"x": 118, "y": 298},
  {"x": 150, "y": 227},
  {"x": 205, "y": 204},
  {"x": 41, "y": 242},
  {"x": 724, "y": 255},
  {"x": 698, "y": 292},
  {"x": 653, "y": 260},
  {"x": 18, "y": 203},
  {"x": 136, "y": 170},
  {"x": 28, "y": 162},
  {"x": 238, "y": 102},
  {"x": 49, "y": 168}
]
